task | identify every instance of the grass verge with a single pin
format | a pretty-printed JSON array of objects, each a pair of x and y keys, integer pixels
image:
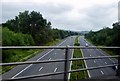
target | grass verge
[
  {"x": 78, "y": 65},
  {"x": 20, "y": 55},
  {"x": 108, "y": 51}
]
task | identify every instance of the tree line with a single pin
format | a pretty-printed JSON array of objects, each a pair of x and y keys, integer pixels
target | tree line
[
  {"x": 30, "y": 28},
  {"x": 106, "y": 37}
]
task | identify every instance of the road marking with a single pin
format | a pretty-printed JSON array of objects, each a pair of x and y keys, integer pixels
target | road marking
[
  {"x": 85, "y": 63},
  {"x": 40, "y": 68},
  {"x": 49, "y": 58},
  {"x": 55, "y": 53},
  {"x": 62, "y": 42},
  {"x": 70, "y": 65},
  {"x": 55, "y": 70},
  {"x": 37, "y": 60},
  {"x": 105, "y": 54},
  {"x": 45, "y": 55},
  {"x": 102, "y": 72},
  {"x": 105, "y": 62},
  {"x": 22, "y": 71},
  {"x": 31, "y": 64},
  {"x": 90, "y": 55},
  {"x": 94, "y": 61}
]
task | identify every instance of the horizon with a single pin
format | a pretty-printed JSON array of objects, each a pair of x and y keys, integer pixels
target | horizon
[{"x": 67, "y": 14}]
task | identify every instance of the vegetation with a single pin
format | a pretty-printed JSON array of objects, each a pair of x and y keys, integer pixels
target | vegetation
[
  {"x": 78, "y": 64},
  {"x": 27, "y": 29},
  {"x": 35, "y": 27},
  {"x": 17, "y": 39},
  {"x": 106, "y": 37}
]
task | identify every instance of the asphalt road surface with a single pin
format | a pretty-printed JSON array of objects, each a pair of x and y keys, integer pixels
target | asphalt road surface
[
  {"x": 35, "y": 69},
  {"x": 97, "y": 62}
]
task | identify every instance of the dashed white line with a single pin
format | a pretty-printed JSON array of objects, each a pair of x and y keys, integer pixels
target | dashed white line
[
  {"x": 55, "y": 70},
  {"x": 31, "y": 64},
  {"x": 102, "y": 72},
  {"x": 105, "y": 62},
  {"x": 94, "y": 61},
  {"x": 40, "y": 68},
  {"x": 90, "y": 55},
  {"x": 55, "y": 53},
  {"x": 49, "y": 58},
  {"x": 37, "y": 60},
  {"x": 45, "y": 54}
]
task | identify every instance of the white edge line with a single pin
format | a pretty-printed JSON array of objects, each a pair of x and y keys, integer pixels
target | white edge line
[
  {"x": 37, "y": 60},
  {"x": 22, "y": 71},
  {"x": 49, "y": 58},
  {"x": 85, "y": 63},
  {"x": 45, "y": 55},
  {"x": 70, "y": 65},
  {"x": 105, "y": 54},
  {"x": 40, "y": 68},
  {"x": 55, "y": 70}
]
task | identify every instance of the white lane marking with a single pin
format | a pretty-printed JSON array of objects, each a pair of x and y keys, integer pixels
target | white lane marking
[
  {"x": 85, "y": 62},
  {"x": 40, "y": 68},
  {"x": 55, "y": 70},
  {"x": 49, "y": 58},
  {"x": 55, "y": 53},
  {"x": 105, "y": 62},
  {"x": 105, "y": 54},
  {"x": 102, "y": 72},
  {"x": 90, "y": 55},
  {"x": 22, "y": 71},
  {"x": 94, "y": 61},
  {"x": 45, "y": 55},
  {"x": 62, "y": 42},
  {"x": 70, "y": 65},
  {"x": 37, "y": 60},
  {"x": 32, "y": 64}
]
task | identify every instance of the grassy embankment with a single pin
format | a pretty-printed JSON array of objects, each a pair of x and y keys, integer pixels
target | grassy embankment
[
  {"x": 20, "y": 55},
  {"x": 108, "y": 51},
  {"x": 78, "y": 64}
]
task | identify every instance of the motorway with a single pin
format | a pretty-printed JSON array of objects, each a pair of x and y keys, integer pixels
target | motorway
[
  {"x": 54, "y": 54},
  {"x": 35, "y": 69},
  {"x": 97, "y": 62}
]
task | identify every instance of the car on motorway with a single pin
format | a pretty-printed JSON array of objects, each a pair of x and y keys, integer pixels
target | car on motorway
[{"x": 86, "y": 45}]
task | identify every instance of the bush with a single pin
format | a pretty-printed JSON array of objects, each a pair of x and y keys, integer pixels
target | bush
[{"x": 10, "y": 38}]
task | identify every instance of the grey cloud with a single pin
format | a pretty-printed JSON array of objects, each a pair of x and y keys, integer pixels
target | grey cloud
[
  {"x": 100, "y": 16},
  {"x": 97, "y": 16},
  {"x": 9, "y": 10}
]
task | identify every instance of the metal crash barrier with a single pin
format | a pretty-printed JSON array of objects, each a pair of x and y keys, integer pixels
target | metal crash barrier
[{"x": 66, "y": 60}]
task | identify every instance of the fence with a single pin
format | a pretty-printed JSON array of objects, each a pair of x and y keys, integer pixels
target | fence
[{"x": 66, "y": 60}]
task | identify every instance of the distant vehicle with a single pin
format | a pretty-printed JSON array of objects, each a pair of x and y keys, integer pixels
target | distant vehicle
[{"x": 86, "y": 45}]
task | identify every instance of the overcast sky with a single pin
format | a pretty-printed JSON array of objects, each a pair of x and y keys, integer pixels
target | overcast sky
[{"x": 76, "y": 15}]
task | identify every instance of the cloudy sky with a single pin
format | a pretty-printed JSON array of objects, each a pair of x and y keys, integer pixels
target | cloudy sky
[{"x": 76, "y": 15}]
